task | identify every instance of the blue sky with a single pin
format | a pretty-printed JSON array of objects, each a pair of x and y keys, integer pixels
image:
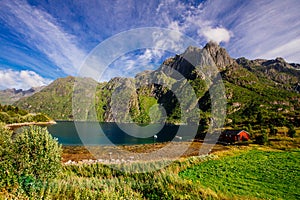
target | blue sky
[{"x": 41, "y": 40}]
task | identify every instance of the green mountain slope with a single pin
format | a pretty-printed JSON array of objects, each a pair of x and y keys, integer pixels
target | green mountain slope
[
  {"x": 55, "y": 100},
  {"x": 257, "y": 91}
]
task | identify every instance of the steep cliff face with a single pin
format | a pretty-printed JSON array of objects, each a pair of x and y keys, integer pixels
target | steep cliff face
[
  {"x": 219, "y": 55},
  {"x": 253, "y": 88}
]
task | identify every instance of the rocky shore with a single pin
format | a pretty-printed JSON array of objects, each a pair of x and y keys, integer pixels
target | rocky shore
[{"x": 77, "y": 155}]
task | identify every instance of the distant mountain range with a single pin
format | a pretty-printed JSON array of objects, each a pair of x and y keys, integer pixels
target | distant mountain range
[
  {"x": 9, "y": 96},
  {"x": 257, "y": 91}
]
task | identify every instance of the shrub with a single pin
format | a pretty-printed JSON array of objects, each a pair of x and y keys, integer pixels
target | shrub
[
  {"x": 37, "y": 154},
  {"x": 273, "y": 130},
  {"x": 263, "y": 138},
  {"x": 31, "y": 159},
  {"x": 4, "y": 117},
  {"x": 291, "y": 131},
  {"x": 8, "y": 178},
  {"x": 40, "y": 118}
]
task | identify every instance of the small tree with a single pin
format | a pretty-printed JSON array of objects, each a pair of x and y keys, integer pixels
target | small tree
[
  {"x": 29, "y": 160},
  {"x": 273, "y": 131},
  {"x": 249, "y": 128},
  {"x": 8, "y": 178},
  {"x": 37, "y": 154},
  {"x": 260, "y": 118},
  {"x": 263, "y": 138},
  {"x": 291, "y": 131}
]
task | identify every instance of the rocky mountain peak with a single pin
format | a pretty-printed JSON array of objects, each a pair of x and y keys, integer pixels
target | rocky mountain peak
[
  {"x": 9, "y": 96},
  {"x": 280, "y": 59},
  {"x": 219, "y": 55}
]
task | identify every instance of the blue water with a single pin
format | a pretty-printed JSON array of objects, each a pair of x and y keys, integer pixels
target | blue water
[{"x": 90, "y": 133}]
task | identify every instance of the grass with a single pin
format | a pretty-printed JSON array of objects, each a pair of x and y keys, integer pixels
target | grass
[
  {"x": 232, "y": 172},
  {"x": 254, "y": 173},
  {"x": 241, "y": 173}
]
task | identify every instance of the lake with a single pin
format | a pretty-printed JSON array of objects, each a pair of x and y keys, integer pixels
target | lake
[{"x": 90, "y": 133}]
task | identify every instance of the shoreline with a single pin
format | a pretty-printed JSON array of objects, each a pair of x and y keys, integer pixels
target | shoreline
[
  {"x": 133, "y": 153},
  {"x": 19, "y": 125}
]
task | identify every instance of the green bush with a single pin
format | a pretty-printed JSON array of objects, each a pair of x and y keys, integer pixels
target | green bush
[
  {"x": 8, "y": 178},
  {"x": 291, "y": 131},
  {"x": 273, "y": 130},
  {"x": 29, "y": 160},
  {"x": 37, "y": 154},
  {"x": 262, "y": 138}
]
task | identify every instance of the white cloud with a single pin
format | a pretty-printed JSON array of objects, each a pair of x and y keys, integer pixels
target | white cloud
[
  {"x": 216, "y": 34},
  {"x": 43, "y": 32},
  {"x": 262, "y": 29},
  {"x": 21, "y": 79},
  {"x": 134, "y": 62},
  {"x": 191, "y": 20},
  {"x": 290, "y": 51}
]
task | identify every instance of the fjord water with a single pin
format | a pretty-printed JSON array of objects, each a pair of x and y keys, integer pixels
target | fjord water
[{"x": 111, "y": 134}]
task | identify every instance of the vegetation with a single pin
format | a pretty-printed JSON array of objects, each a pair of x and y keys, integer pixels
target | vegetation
[
  {"x": 238, "y": 175},
  {"x": 291, "y": 131},
  {"x": 28, "y": 161},
  {"x": 256, "y": 173},
  {"x": 253, "y": 96},
  {"x": 12, "y": 114},
  {"x": 30, "y": 167}
]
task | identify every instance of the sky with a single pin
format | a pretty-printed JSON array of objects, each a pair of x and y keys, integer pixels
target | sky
[{"x": 42, "y": 40}]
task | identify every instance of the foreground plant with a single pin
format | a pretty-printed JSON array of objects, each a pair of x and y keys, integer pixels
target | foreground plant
[{"x": 29, "y": 160}]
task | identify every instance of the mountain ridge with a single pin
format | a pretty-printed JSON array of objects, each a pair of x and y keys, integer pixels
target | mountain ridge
[
  {"x": 253, "y": 88},
  {"x": 9, "y": 96}
]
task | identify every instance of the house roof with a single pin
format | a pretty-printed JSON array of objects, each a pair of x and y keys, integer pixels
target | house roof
[{"x": 233, "y": 132}]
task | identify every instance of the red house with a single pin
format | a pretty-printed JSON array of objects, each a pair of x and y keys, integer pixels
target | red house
[{"x": 232, "y": 136}]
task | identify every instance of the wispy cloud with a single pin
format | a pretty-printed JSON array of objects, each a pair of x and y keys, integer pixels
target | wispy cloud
[
  {"x": 131, "y": 63},
  {"x": 52, "y": 39},
  {"x": 41, "y": 30},
  {"x": 21, "y": 79},
  {"x": 289, "y": 51},
  {"x": 189, "y": 19},
  {"x": 262, "y": 29}
]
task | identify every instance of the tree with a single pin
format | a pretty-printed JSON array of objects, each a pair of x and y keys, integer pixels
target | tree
[
  {"x": 249, "y": 128},
  {"x": 37, "y": 153},
  {"x": 8, "y": 178},
  {"x": 260, "y": 118},
  {"x": 263, "y": 138},
  {"x": 30, "y": 159},
  {"x": 291, "y": 131},
  {"x": 273, "y": 131}
]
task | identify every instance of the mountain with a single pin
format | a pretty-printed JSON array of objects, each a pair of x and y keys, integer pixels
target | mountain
[
  {"x": 9, "y": 96},
  {"x": 257, "y": 91},
  {"x": 55, "y": 100}
]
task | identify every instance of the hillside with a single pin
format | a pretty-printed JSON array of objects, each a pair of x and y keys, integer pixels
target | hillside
[
  {"x": 10, "y": 114},
  {"x": 55, "y": 100},
  {"x": 257, "y": 91}
]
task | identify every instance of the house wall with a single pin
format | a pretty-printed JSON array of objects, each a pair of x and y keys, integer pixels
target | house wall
[{"x": 244, "y": 136}]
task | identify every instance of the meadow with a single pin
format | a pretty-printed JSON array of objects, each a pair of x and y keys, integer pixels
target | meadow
[
  {"x": 256, "y": 173},
  {"x": 31, "y": 168},
  {"x": 240, "y": 173}
]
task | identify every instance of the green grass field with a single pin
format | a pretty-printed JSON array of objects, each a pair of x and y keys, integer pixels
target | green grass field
[
  {"x": 236, "y": 174},
  {"x": 256, "y": 173}
]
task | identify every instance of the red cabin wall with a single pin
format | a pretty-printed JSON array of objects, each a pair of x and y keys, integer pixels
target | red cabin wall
[{"x": 244, "y": 136}]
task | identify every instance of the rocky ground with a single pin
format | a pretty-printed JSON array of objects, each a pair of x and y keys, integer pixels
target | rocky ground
[{"x": 134, "y": 153}]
